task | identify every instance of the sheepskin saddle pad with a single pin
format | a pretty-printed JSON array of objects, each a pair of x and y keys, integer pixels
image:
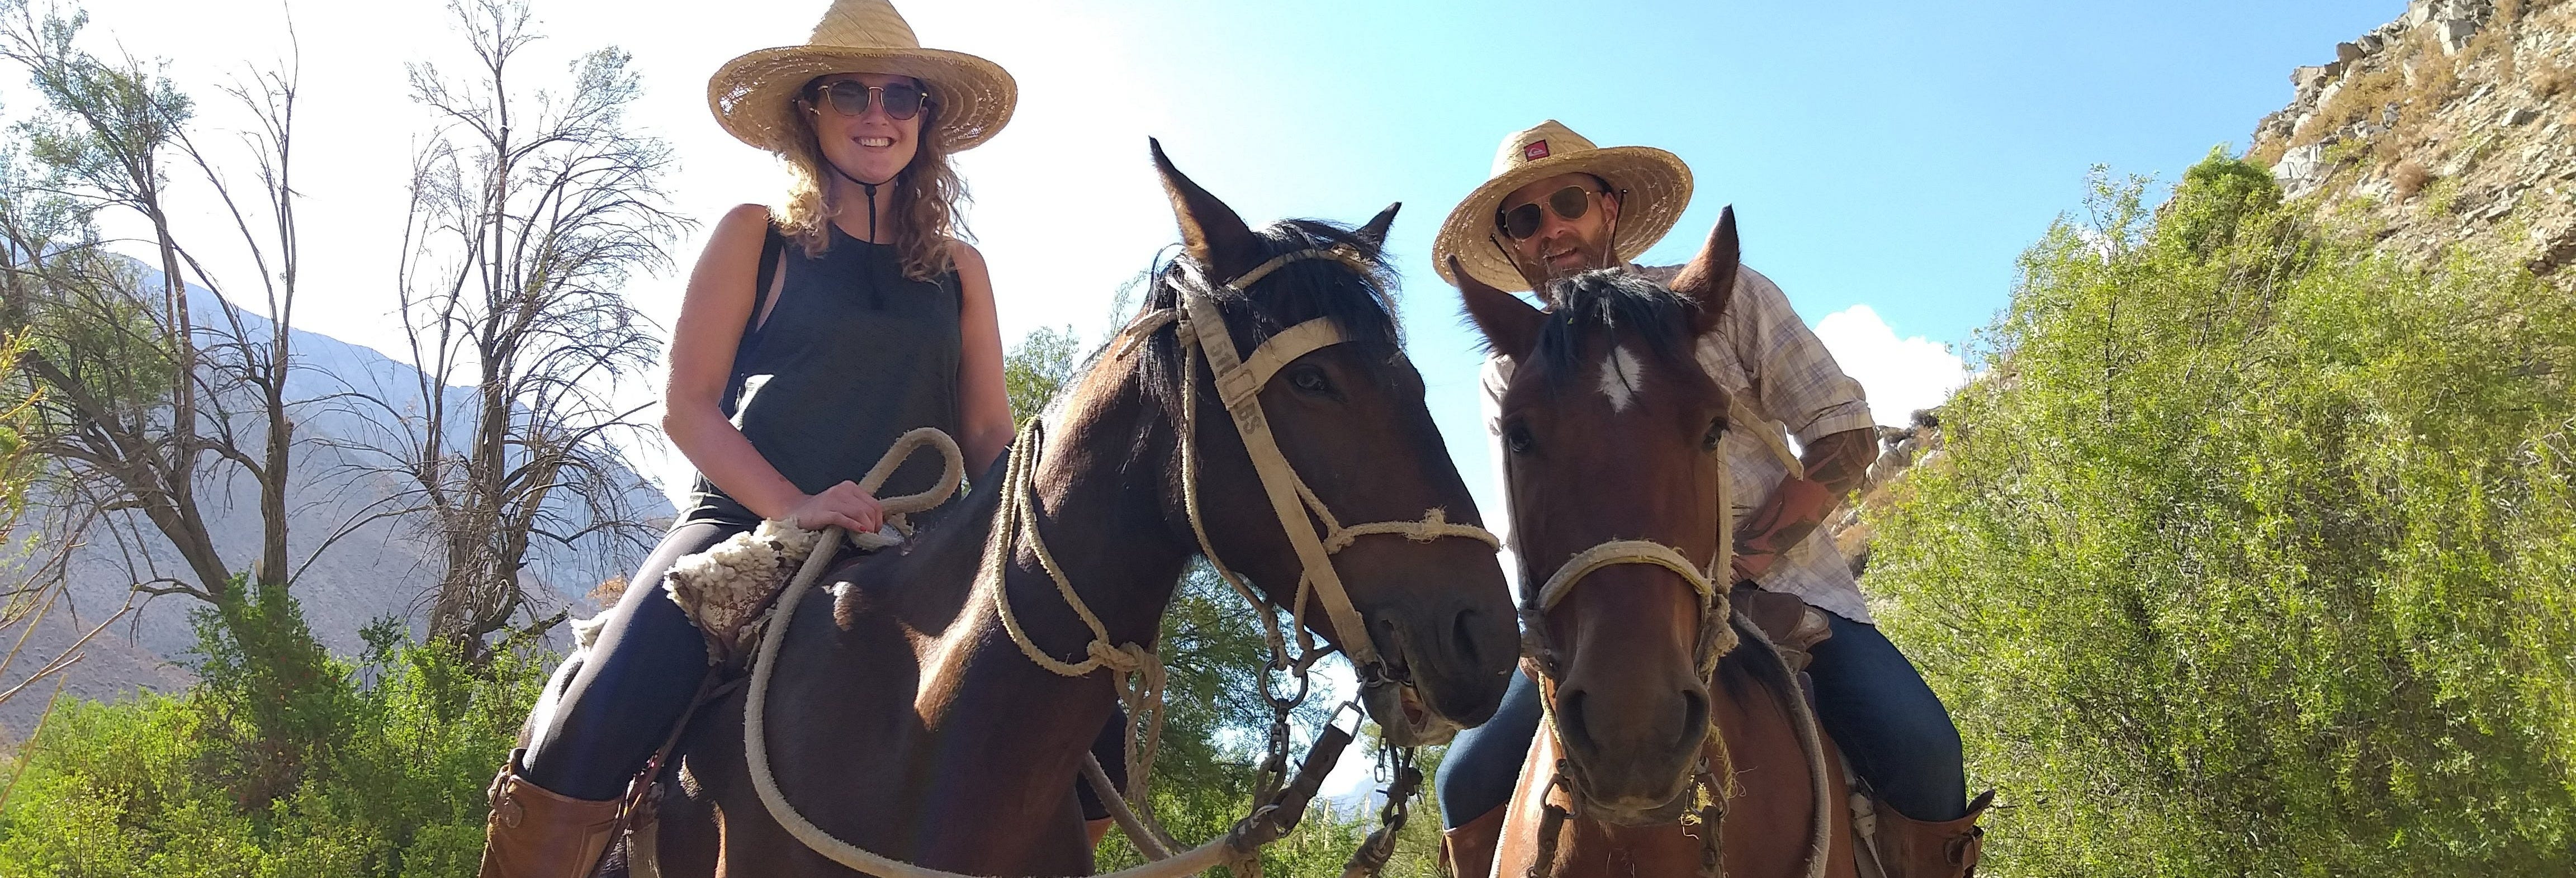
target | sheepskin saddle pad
[{"x": 727, "y": 589}]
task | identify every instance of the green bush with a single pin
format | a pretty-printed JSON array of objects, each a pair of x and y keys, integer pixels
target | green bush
[
  {"x": 1213, "y": 736},
  {"x": 394, "y": 754},
  {"x": 2250, "y": 552}
]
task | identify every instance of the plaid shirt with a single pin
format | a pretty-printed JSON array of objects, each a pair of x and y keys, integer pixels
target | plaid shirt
[{"x": 1762, "y": 352}]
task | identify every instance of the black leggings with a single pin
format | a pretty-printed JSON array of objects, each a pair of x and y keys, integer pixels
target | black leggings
[
  {"x": 608, "y": 709},
  {"x": 1868, "y": 697}
]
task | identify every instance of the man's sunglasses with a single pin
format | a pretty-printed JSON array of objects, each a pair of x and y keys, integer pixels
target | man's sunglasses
[
  {"x": 849, "y": 97},
  {"x": 1570, "y": 204}
]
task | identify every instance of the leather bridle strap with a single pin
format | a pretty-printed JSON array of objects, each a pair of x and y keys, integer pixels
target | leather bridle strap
[
  {"x": 1203, "y": 326},
  {"x": 1202, "y": 330}
]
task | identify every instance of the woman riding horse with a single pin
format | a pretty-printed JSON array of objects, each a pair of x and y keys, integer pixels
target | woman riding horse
[
  {"x": 810, "y": 338},
  {"x": 1258, "y": 413}
]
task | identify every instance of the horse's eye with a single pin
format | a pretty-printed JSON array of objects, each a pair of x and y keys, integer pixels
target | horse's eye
[
  {"x": 1716, "y": 431},
  {"x": 1517, "y": 438},
  {"x": 1309, "y": 379}
]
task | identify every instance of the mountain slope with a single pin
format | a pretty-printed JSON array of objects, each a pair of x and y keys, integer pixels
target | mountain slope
[
  {"x": 2454, "y": 124},
  {"x": 381, "y": 569}
]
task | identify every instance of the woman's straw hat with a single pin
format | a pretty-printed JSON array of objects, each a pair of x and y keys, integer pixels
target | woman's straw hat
[
  {"x": 1656, "y": 183},
  {"x": 753, "y": 95}
]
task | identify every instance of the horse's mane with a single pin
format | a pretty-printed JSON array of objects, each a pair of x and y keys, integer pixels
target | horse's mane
[
  {"x": 1363, "y": 303},
  {"x": 1608, "y": 301}
]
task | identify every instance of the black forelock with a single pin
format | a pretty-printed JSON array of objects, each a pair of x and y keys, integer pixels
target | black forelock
[
  {"x": 1612, "y": 301},
  {"x": 1363, "y": 303}
]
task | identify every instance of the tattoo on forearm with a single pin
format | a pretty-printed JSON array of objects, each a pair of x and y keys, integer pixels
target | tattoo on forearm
[
  {"x": 1760, "y": 532},
  {"x": 1841, "y": 461}
]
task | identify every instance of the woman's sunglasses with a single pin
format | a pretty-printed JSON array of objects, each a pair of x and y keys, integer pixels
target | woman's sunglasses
[
  {"x": 1570, "y": 204},
  {"x": 849, "y": 97}
]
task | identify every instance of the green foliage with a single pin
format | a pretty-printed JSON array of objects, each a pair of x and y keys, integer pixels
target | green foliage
[
  {"x": 274, "y": 697},
  {"x": 105, "y": 125},
  {"x": 2251, "y": 553},
  {"x": 1036, "y": 369},
  {"x": 1213, "y": 738},
  {"x": 18, "y": 400},
  {"x": 2224, "y": 190},
  {"x": 147, "y": 787}
]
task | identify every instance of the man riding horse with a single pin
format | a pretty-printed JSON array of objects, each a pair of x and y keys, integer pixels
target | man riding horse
[{"x": 1557, "y": 206}]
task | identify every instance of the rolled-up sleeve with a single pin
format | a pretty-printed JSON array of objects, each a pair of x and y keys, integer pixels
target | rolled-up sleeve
[
  {"x": 1797, "y": 381},
  {"x": 1492, "y": 380}
]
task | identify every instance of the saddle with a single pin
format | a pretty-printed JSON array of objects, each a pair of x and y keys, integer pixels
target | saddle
[{"x": 1793, "y": 627}]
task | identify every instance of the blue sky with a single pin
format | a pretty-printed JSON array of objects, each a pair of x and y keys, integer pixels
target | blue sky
[{"x": 1887, "y": 157}]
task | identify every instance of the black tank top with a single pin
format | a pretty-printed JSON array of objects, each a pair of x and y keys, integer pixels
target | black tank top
[{"x": 853, "y": 355}]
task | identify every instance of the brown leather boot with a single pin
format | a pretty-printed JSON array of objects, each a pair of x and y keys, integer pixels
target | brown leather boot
[
  {"x": 1910, "y": 848},
  {"x": 1468, "y": 851},
  {"x": 535, "y": 832}
]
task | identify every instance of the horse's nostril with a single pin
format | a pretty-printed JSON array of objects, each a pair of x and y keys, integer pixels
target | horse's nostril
[
  {"x": 1694, "y": 716},
  {"x": 1465, "y": 638}
]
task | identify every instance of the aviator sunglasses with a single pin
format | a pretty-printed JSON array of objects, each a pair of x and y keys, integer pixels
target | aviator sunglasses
[
  {"x": 1570, "y": 204},
  {"x": 850, "y": 97}
]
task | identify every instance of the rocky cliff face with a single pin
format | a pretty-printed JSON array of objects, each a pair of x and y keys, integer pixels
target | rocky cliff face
[{"x": 2454, "y": 124}]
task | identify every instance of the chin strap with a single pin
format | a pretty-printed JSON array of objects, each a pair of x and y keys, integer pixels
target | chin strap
[{"x": 871, "y": 189}]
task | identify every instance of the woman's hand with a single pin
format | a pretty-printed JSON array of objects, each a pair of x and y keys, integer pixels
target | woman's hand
[{"x": 842, "y": 505}]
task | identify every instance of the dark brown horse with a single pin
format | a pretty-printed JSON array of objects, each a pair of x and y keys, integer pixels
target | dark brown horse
[
  {"x": 904, "y": 719},
  {"x": 1610, "y": 428}
]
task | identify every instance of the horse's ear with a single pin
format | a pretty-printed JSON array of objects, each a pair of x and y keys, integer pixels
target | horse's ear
[
  {"x": 1710, "y": 276},
  {"x": 1510, "y": 325},
  {"x": 1214, "y": 235},
  {"x": 1374, "y": 231}
]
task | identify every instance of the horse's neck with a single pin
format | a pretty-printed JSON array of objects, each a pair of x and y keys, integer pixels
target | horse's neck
[{"x": 1101, "y": 517}]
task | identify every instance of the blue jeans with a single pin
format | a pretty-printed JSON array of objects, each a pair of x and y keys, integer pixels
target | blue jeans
[
  {"x": 1868, "y": 697},
  {"x": 607, "y": 710}
]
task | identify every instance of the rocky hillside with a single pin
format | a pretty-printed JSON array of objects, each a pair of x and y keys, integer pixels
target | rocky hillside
[
  {"x": 2456, "y": 123},
  {"x": 2453, "y": 125}
]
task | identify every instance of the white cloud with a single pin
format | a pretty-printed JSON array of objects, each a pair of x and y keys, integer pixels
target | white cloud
[{"x": 1900, "y": 374}]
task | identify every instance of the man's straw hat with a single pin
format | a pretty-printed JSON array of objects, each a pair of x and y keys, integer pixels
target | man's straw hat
[
  {"x": 1656, "y": 185},
  {"x": 753, "y": 95}
]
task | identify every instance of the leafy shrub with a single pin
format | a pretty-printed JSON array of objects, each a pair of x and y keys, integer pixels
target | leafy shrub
[
  {"x": 161, "y": 785},
  {"x": 2251, "y": 553}
]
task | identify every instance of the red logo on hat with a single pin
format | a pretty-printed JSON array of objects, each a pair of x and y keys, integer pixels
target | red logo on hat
[{"x": 1535, "y": 151}]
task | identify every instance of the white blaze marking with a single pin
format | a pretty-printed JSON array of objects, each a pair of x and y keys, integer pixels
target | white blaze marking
[{"x": 1620, "y": 377}]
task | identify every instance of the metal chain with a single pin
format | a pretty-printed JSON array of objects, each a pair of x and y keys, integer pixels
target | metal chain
[{"x": 1404, "y": 779}]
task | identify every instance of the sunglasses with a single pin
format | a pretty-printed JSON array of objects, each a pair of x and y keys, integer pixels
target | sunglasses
[
  {"x": 850, "y": 97},
  {"x": 1570, "y": 204}
]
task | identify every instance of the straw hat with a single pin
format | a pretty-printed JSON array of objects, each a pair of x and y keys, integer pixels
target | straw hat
[
  {"x": 1656, "y": 183},
  {"x": 753, "y": 95}
]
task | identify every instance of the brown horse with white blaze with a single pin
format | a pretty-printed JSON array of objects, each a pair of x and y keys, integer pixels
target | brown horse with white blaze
[
  {"x": 907, "y": 720},
  {"x": 1662, "y": 700}
]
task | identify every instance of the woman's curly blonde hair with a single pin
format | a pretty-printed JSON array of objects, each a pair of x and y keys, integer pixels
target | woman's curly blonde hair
[{"x": 927, "y": 194}]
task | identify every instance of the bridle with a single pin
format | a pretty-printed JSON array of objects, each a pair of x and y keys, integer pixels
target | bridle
[
  {"x": 1201, "y": 330},
  {"x": 1713, "y": 583}
]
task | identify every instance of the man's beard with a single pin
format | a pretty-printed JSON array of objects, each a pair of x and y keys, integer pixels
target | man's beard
[{"x": 1596, "y": 256}]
